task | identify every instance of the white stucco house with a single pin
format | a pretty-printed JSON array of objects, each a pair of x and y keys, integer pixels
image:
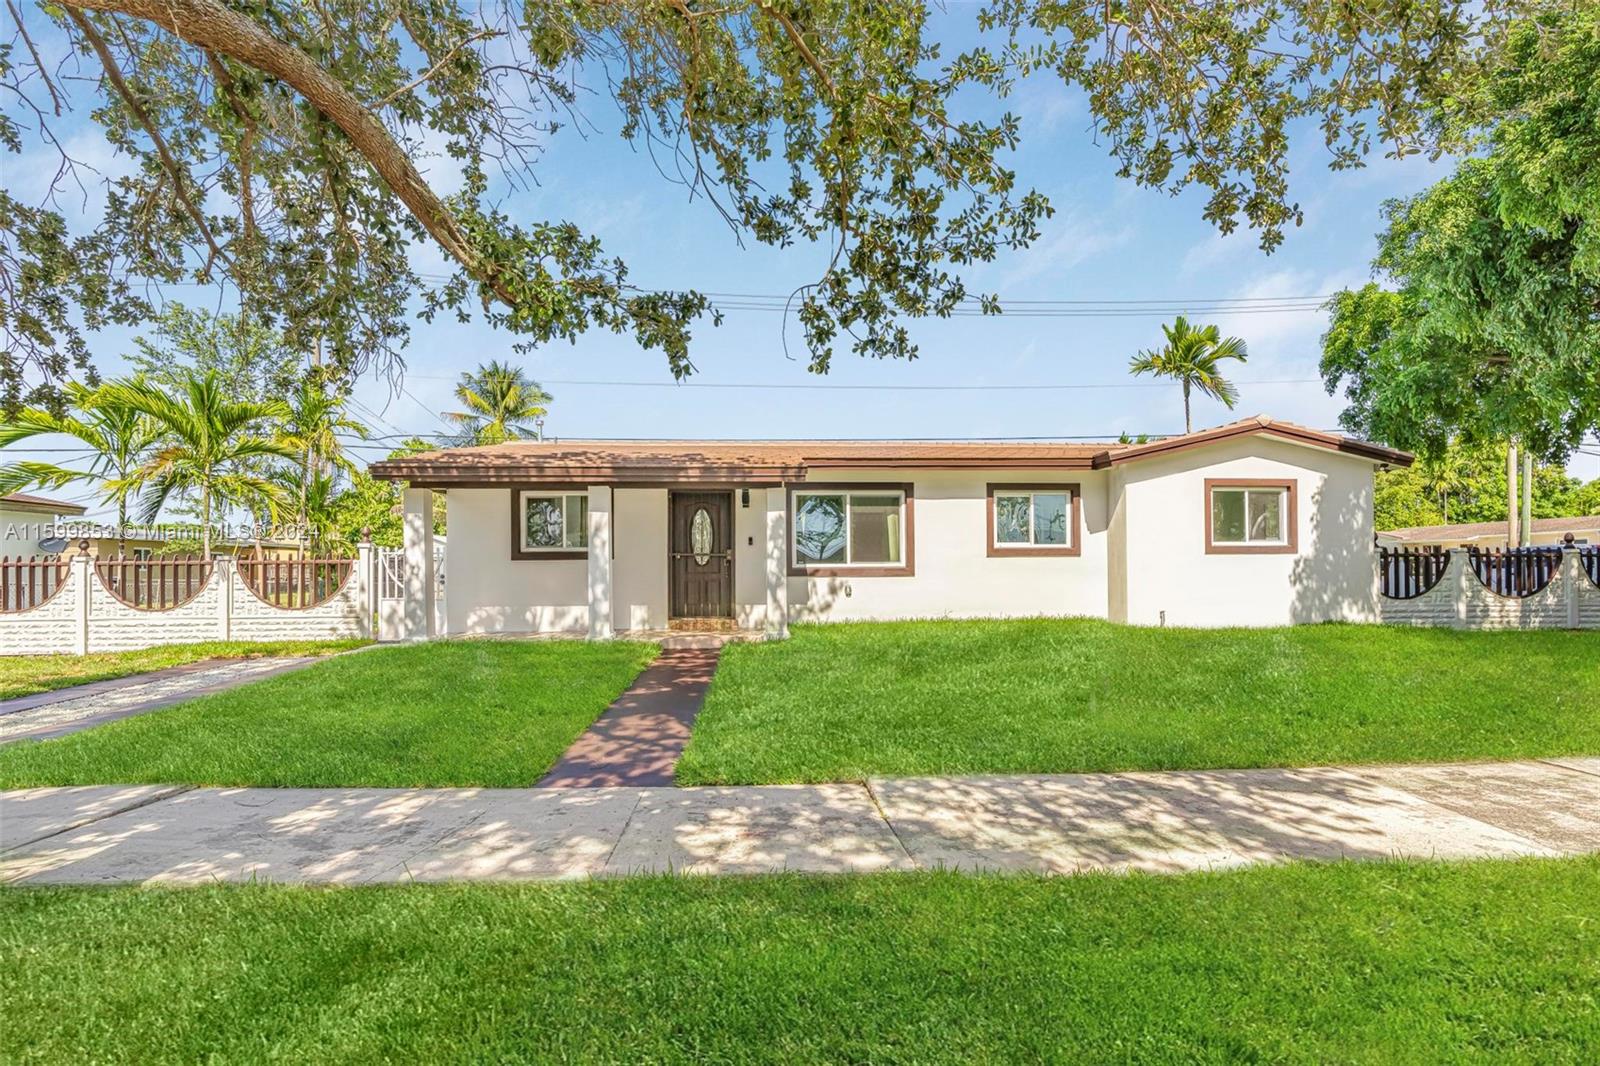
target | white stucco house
[{"x": 1258, "y": 522}]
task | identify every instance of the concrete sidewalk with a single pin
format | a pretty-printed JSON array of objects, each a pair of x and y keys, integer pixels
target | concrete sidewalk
[
  {"x": 1163, "y": 822},
  {"x": 46, "y": 715}
]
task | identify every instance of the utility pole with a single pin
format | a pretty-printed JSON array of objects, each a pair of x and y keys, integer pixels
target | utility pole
[
  {"x": 1527, "y": 498},
  {"x": 1513, "y": 537}
]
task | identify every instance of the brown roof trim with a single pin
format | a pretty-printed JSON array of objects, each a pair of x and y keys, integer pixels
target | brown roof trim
[
  {"x": 1250, "y": 427},
  {"x": 1074, "y": 462},
  {"x": 468, "y": 474}
]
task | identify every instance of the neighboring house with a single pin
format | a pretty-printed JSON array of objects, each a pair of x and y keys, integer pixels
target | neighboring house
[
  {"x": 1254, "y": 523},
  {"x": 1546, "y": 531},
  {"x": 144, "y": 542},
  {"x": 26, "y": 520}
]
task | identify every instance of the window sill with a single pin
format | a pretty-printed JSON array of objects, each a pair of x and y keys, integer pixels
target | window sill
[
  {"x": 1028, "y": 551},
  {"x": 851, "y": 571},
  {"x": 1250, "y": 549},
  {"x": 517, "y": 554}
]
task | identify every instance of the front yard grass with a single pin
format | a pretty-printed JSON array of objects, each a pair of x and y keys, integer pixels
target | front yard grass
[
  {"x": 468, "y": 713},
  {"x": 25, "y": 675},
  {"x": 1377, "y": 962},
  {"x": 848, "y": 701}
]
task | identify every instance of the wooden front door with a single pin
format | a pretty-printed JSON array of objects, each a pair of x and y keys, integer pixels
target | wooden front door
[{"x": 700, "y": 554}]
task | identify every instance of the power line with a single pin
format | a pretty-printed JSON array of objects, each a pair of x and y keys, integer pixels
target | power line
[{"x": 819, "y": 386}]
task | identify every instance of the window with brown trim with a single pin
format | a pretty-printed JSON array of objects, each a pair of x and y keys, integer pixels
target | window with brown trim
[
  {"x": 1251, "y": 516},
  {"x": 549, "y": 524},
  {"x": 851, "y": 530},
  {"x": 1034, "y": 519}
]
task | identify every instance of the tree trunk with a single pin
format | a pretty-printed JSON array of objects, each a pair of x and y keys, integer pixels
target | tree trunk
[
  {"x": 305, "y": 474},
  {"x": 209, "y": 25},
  {"x": 205, "y": 520},
  {"x": 1188, "y": 423}
]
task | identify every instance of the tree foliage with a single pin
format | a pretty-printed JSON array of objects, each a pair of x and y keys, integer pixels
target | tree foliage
[
  {"x": 208, "y": 446},
  {"x": 1465, "y": 483},
  {"x": 833, "y": 122},
  {"x": 1491, "y": 330},
  {"x": 502, "y": 403},
  {"x": 1191, "y": 357},
  {"x": 372, "y": 505}
]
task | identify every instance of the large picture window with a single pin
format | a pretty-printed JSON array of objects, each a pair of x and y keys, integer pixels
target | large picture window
[
  {"x": 550, "y": 524},
  {"x": 861, "y": 530},
  {"x": 1250, "y": 516},
  {"x": 1033, "y": 520}
]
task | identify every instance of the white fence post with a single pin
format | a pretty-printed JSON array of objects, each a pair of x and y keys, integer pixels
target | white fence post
[
  {"x": 1572, "y": 577},
  {"x": 366, "y": 585},
  {"x": 82, "y": 569},
  {"x": 224, "y": 573}
]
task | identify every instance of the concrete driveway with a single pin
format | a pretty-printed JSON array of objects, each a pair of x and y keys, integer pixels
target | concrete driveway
[{"x": 1161, "y": 822}]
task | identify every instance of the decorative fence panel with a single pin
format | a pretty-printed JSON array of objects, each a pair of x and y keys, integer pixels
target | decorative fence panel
[
  {"x": 1405, "y": 573},
  {"x": 121, "y": 604},
  {"x": 31, "y": 582},
  {"x": 1539, "y": 588},
  {"x": 154, "y": 584},
  {"x": 1519, "y": 572},
  {"x": 295, "y": 583}
]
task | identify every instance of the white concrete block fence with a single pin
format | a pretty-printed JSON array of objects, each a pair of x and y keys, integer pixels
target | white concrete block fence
[
  {"x": 82, "y": 613},
  {"x": 1459, "y": 598}
]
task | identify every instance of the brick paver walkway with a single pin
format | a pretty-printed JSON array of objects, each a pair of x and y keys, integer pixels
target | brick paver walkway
[{"x": 640, "y": 737}]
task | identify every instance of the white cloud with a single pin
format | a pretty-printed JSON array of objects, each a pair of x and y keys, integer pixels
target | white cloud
[{"x": 1078, "y": 237}]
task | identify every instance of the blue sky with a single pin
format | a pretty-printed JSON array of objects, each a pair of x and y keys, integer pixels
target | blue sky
[{"x": 1107, "y": 241}]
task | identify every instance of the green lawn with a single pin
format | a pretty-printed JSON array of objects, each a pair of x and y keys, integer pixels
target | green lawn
[
  {"x": 491, "y": 713},
  {"x": 842, "y": 702},
  {"x": 24, "y": 675},
  {"x": 1379, "y": 963}
]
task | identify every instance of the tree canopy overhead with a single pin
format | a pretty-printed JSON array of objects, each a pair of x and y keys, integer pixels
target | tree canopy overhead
[
  {"x": 828, "y": 121},
  {"x": 1488, "y": 326}
]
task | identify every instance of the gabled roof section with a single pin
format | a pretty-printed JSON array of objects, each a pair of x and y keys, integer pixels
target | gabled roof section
[
  {"x": 1258, "y": 425},
  {"x": 23, "y": 501}
]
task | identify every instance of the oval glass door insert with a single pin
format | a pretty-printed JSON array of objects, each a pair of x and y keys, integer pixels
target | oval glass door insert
[{"x": 700, "y": 536}]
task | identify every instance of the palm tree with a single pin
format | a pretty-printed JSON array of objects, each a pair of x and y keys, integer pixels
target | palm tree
[
  {"x": 502, "y": 404},
  {"x": 315, "y": 420},
  {"x": 207, "y": 446},
  {"x": 115, "y": 436},
  {"x": 1191, "y": 356}
]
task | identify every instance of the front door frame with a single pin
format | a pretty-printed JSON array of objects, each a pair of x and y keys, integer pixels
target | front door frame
[{"x": 733, "y": 540}]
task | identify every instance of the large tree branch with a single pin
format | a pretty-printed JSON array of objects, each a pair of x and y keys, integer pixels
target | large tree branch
[
  {"x": 169, "y": 164},
  {"x": 209, "y": 25}
]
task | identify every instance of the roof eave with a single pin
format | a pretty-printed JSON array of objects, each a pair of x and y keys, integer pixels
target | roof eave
[{"x": 1362, "y": 449}]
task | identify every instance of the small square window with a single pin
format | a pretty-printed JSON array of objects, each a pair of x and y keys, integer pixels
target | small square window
[
  {"x": 1250, "y": 516},
  {"x": 1033, "y": 521},
  {"x": 553, "y": 522}
]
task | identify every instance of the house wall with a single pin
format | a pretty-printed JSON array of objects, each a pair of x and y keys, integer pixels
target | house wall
[
  {"x": 955, "y": 577},
  {"x": 1169, "y": 575},
  {"x": 639, "y": 582},
  {"x": 21, "y": 529},
  {"x": 488, "y": 591},
  {"x": 1142, "y": 536}
]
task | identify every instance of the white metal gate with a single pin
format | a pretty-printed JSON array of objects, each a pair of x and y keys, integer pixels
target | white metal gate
[{"x": 390, "y": 564}]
